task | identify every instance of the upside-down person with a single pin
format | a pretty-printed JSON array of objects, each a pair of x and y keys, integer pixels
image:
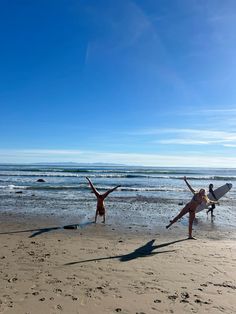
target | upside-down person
[{"x": 101, "y": 211}]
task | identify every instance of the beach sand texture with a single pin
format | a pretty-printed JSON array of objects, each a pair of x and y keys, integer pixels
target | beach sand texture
[{"x": 104, "y": 269}]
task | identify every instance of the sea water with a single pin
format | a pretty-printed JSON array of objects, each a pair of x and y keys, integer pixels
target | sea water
[
  {"x": 64, "y": 186},
  {"x": 62, "y": 180}
]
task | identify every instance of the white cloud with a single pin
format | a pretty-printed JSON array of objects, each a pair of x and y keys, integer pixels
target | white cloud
[
  {"x": 48, "y": 152},
  {"x": 191, "y": 136},
  {"x": 183, "y": 142},
  {"x": 224, "y": 111},
  {"x": 211, "y": 115},
  {"x": 34, "y": 156},
  {"x": 230, "y": 145}
]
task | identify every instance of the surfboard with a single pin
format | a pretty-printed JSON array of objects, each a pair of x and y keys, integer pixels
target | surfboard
[
  {"x": 219, "y": 192},
  {"x": 77, "y": 226},
  {"x": 71, "y": 227}
]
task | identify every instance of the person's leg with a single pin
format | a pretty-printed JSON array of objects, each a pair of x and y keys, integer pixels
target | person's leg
[
  {"x": 190, "y": 225},
  {"x": 96, "y": 215},
  {"x": 209, "y": 210},
  {"x": 93, "y": 187},
  {"x": 212, "y": 209},
  {"x": 180, "y": 215},
  {"x": 104, "y": 217},
  {"x": 104, "y": 195}
]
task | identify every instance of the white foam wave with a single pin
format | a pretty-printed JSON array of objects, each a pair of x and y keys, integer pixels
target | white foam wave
[{"x": 13, "y": 187}]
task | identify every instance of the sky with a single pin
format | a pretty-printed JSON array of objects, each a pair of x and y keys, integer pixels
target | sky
[{"x": 137, "y": 82}]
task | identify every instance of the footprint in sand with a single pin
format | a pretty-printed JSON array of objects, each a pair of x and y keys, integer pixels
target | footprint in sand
[
  {"x": 172, "y": 297},
  {"x": 185, "y": 295},
  {"x": 35, "y": 293},
  {"x": 42, "y": 299},
  {"x": 14, "y": 279},
  {"x": 59, "y": 307},
  {"x": 201, "y": 302}
]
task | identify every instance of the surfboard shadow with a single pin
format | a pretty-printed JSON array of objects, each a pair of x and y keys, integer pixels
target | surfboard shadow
[
  {"x": 143, "y": 251},
  {"x": 39, "y": 231},
  {"x": 44, "y": 230}
]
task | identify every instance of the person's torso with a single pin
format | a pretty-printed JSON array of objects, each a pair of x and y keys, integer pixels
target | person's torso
[
  {"x": 197, "y": 199},
  {"x": 100, "y": 206}
]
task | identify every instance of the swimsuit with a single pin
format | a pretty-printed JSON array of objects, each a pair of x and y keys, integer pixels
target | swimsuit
[
  {"x": 196, "y": 199},
  {"x": 101, "y": 211}
]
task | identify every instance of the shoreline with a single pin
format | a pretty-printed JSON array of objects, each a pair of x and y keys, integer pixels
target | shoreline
[{"x": 132, "y": 215}]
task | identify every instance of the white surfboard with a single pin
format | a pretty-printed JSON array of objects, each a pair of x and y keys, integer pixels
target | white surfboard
[{"x": 219, "y": 192}]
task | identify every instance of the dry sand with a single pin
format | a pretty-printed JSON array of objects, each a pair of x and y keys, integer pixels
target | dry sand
[{"x": 101, "y": 269}]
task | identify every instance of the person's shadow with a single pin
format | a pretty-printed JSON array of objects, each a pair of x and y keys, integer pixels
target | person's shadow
[{"x": 143, "y": 251}]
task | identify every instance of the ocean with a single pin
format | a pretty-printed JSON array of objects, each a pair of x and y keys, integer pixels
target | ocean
[{"x": 153, "y": 190}]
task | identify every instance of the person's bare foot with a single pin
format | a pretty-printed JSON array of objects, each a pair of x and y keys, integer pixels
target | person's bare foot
[
  {"x": 168, "y": 226},
  {"x": 192, "y": 238}
]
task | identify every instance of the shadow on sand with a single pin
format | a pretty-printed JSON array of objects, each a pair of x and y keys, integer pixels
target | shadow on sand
[
  {"x": 142, "y": 251},
  {"x": 40, "y": 231}
]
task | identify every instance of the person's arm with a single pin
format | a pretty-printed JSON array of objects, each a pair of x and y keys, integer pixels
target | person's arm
[
  {"x": 109, "y": 191},
  {"x": 92, "y": 187},
  {"x": 104, "y": 217},
  {"x": 209, "y": 202},
  {"x": 189, "y": 186},
  {"x": 96, "y": 215},
  {"x": 213, "y": 194},
  {"x": 214, "y": 202}
]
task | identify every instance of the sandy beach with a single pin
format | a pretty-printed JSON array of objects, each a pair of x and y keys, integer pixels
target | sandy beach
[
  {"x": 118, "y": 157},
  {"x": 106, "y": 269}
]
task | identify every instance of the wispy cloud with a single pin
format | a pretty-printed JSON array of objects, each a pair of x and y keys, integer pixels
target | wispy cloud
[
  {"x": 190, "y": 136},
  {"x": 183, "y": 142},
  {"x": 125, "y": 23},
  {"x": 230, "y": 145},
  {"x": 213, "y": 116},
  {"x": 185, "y": 160},
  {"x": 224, "y": 111},
  {"x": 48, "y": 152},
  {"x": 204, "y": 111},
  {"x": 221, "y": 17}
]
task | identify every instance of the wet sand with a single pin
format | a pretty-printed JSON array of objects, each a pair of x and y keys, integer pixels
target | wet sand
[{"x": 111, "y": 269}]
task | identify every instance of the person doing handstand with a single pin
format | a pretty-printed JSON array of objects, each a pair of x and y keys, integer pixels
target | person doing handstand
[
  {"x": 100, "y": 200},
  {"x": 191, "y": 207},
  {"x": 212, "y": 206}
]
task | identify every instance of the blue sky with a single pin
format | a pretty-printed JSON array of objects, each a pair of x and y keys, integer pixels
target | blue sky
[{"x": 145, "y": 82}]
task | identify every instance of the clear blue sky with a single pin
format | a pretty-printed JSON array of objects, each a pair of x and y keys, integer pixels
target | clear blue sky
[{"x": 148, "y": 82}]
